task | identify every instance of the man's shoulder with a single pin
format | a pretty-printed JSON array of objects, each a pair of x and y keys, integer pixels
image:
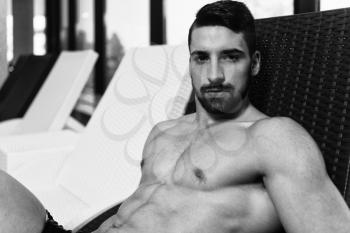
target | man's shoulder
[
  {"x": 285, "y": 145},
  {"x": 274, "y": 126},
  {"x": 282, "y": 131},
  {"x": 171, "y": 124}
]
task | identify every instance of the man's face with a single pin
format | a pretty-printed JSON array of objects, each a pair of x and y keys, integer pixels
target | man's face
[{"x": 220, "y": 67}]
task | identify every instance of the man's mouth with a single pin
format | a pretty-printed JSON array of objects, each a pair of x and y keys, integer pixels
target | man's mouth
[
  {"x": 214, "y": 89},
  {"x": 219, "y": 88}
]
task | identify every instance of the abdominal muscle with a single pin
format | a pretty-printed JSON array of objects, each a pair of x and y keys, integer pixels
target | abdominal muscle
[{"x": 171, "y": 208}]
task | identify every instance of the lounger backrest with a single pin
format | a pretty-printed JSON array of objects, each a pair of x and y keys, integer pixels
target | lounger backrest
[
  {"x": 23, "y": 83},
  {"x": 150, "y": 85},
  {"x": 306, "y": 75},
  {"x": 56, "y": 98}
]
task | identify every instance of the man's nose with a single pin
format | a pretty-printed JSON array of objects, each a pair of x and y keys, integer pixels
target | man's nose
[{"x": 215, "y": 74}]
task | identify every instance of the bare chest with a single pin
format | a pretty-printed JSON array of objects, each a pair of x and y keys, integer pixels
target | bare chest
[{"x": 205, "y": 159}]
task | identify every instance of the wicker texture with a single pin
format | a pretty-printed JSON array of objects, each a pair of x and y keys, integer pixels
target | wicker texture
[{"x": 306, "y": 76}]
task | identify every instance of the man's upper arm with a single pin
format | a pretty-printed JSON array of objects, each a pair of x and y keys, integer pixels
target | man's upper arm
[
  {"x": 286, "y": 148},
  {"x": 296, "y": 179},
  {"x": 151, "y": 136},
  {"x": 150, "y": 144}
]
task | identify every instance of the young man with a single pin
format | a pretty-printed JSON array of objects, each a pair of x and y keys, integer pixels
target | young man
[{"x": 228, "y": 167}]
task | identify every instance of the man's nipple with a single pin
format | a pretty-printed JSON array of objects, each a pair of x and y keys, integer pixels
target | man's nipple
[{"x": 199, "y": 174}]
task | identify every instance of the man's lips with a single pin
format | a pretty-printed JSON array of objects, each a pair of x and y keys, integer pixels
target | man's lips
[{"x": 216, "y": 89}]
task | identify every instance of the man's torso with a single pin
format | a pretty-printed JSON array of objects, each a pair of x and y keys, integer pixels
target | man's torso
[{"x": 200, "y": 180}]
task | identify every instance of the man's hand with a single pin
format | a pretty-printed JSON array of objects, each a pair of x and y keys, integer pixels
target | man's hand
[{"x": 110, "y": 225}]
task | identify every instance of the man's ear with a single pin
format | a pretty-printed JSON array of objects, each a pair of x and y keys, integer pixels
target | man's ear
[{"x": 255, "y": 66}]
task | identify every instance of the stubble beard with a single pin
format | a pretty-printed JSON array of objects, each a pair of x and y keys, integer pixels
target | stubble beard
[{"x": 223, "y": 106}]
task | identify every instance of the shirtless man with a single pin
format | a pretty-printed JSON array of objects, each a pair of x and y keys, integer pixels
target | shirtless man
[{"x": 226, "y": 168}]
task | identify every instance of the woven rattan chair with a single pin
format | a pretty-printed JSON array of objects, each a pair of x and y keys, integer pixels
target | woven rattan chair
[{"x": 306, "y": 76}]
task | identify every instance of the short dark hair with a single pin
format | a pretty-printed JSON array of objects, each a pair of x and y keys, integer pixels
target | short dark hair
[{"x": 231, "y": 14}]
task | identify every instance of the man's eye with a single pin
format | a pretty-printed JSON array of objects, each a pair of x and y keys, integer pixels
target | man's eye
[
  {"x": 230, "y": 57},
  {"x": 201, "y": 58}
]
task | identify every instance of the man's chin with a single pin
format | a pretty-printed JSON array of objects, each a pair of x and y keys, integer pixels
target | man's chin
[{"x": 218, "y": 108}]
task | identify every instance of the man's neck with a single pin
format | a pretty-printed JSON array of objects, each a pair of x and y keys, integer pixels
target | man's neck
[{"x": 247, "y": 113}]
